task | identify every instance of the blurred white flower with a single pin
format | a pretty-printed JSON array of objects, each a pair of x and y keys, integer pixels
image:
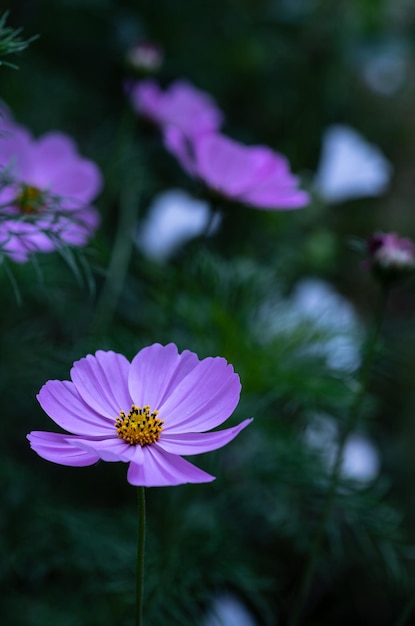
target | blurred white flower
[
  {"x": 350, "y": 167},
  {"x": 360, "y": 460},
  {"x": 174, "y": 218},
  {"x": 334, "y": 316},
  {"x": 385, "y": 71},
  {"x": 227, "y": 610}
]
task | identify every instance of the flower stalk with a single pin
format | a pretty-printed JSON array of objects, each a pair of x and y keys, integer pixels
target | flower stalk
[
  {"x": 140, "y": 554},
  {"x": 350, "y": 425}
]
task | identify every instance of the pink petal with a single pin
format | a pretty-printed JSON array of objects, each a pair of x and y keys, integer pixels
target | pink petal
[
  {"x": 18, "y": 239},
  {"x": 161, "y": 469},
  {"x": 195, "y": 443},
  {"x": 78, "y": 182},
  {"x": 54, "y": 151},
  {"x": 58, "y": 449},
  {"x": 189, "y": 109},
  {"x": 62, "y": 402},
  {"x": 205, "y": 398},
  {"x": 101, "y": 381},
  {"x": 279, "y": 190},
  {"x": 155, "y": 372},
  {"x": 230, "y": 167},
  {"x": 179, "y": 145},
  {"x": 16, "y": 150},
  {"x": 74, "y": 227},
  {"x": 145, "y": 98},
  {"x": 111, "y": 449}
]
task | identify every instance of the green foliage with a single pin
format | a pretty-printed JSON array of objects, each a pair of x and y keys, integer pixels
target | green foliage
[{"x": 282, "y": 71}]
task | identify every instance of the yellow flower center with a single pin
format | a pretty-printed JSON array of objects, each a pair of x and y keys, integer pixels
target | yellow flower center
[
  {"x": 30, "y": 199},
  {"x": 141, "y": 426}
]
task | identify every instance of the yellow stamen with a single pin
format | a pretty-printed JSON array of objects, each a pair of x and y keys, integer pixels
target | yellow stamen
[
  {"x": 30, "y": 199},
  {"x": 141, "y": 426}
]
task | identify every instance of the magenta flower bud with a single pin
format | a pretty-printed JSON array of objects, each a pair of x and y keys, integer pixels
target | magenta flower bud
[
  {"x": 390, "y": 256},
  {"x": 145, "y": 57},
  {"x": 181, "y": 106},
  {"x": 253, "y": 175}
]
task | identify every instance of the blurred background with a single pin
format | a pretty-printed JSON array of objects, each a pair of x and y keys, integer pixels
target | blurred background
[{"x": 283, "y": 296}]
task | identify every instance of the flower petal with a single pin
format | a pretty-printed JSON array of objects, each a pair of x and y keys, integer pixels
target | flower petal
[
  {"x": 205, "y": 398},
  {"x": 58, "y": 449},
  {"x": 155, "y": 372},
  {"x": 111, "y": 449},
  {"x": 230, "y": 167},
  {"x": 195, "y": 443},
  {"x": 101, "y": 381},
  {"x": 161, "y": 469},
  {"x": 61, "y": 401}
]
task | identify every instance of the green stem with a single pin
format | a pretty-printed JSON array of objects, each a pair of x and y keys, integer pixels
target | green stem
[
  {"x": 140, "y": 554},
  {"x": 406, "y": 612},
  {"x": 349, "y": 426}
]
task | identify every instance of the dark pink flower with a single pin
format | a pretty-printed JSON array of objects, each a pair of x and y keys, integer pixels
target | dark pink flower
[
  {"x": 391, "y": 256},
  {"x": 146, "y": 413},
  {"x": 46, "y": 189},
  {"x": 253, "y": 175},
  {"x": 181, "y": 105}
]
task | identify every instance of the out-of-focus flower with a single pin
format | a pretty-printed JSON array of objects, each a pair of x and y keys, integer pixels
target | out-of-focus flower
[
  {"x": 253, "y": 175},
  {"x": 384, "y": 68},
  {"x": 45, "y": 192},
  {"x": 328, "y": 317},
  {"x": 360, "y": 459},
  {"x": 173, "y": 219},
  {"x": 228, "y": 610},
  {"x": 350, "y": 167},
  {"x": 391, "y": 257},
  {"x": 146, "y": 413},
  {"x": 145, "y": 57},
  {"x": 181, "y": 105}
]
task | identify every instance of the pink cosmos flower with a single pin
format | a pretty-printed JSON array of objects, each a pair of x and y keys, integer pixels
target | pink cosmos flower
[
  {"x": 146, "y": 413},
  {"x": 256, "y": 175},
  {"x": 46, "y": 189},
  {"x": 181, "y": 105}
]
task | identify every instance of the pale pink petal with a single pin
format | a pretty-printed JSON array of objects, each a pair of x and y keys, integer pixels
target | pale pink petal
[
  {"x": 101, "y": 381},
  {"x": 16, "y": 151},
  {"x": 54, "y": 151},
  {"x": 19, "y": 239},
  {"x": 62, "y": 402},
  {"x": 274, "y": 197},
  {"x": 161, "y": 469},
  {"x": 74, "y": 227},
  {"x": 155, "y": 372},
  {"x": 179, "y": 146},
  {"x": 145, "y": 98},
  {"x": 205, "y": 398},
  {"x": 230, "y": 167},
  {"x": 77, "y": 183},
  {"x": 189, "y": 109},
  {"x": 196, "y": 443},
  {"x": 59, "y": 449},
  {"x": 112, "y": 449}
]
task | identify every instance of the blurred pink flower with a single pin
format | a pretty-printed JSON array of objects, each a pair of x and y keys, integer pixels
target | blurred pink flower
[
  {"x": 391, "y": 256},
  {"x": 146, "y": 413},
  {"x": 181, "y": 105},
  {"x": 254, "y": 175},
  {"x": 45, "y": 192}
]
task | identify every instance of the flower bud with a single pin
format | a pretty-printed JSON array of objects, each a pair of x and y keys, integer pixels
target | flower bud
[
  {"x": 144, "y": 58},
  {"x": 391, "y": 257}
]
